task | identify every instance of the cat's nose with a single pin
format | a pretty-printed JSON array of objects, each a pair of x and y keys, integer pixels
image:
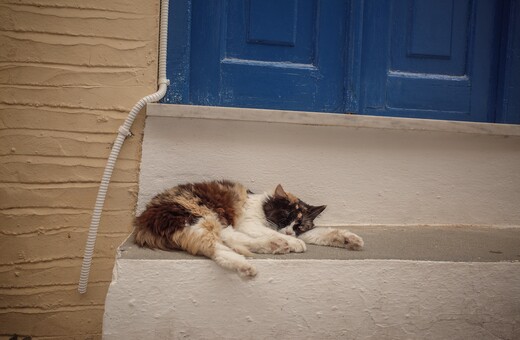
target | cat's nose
[{"x": 289, "y": 233}]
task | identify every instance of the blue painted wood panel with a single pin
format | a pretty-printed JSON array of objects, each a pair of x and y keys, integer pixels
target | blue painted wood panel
[
  {"x": 426, "y": 36},
  {"x": 269, "y": 54},
  {"x": 439, "y": 59},
  {"x": 267, "y": 26},
  {"x": 442, "y": 59},
  {"x": 430, "y": 36},
  {"x": 263, "y": 53}
]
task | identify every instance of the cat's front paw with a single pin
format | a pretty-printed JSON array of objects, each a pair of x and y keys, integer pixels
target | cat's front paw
[
  {"x": 346, "y": 239},
  {"x": 296, "y": 245},
  {"x": 278, "y": 245}
]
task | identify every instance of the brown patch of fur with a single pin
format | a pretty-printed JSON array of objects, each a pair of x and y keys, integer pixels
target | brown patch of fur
[
  {"x": 200, "y": 239},
  {"x": 154, "y": 227},
  {"x": 293, "y": 199},
  {"x": 191, "y": 204},
  {"x": 225, "y": 198},
  {"x": 164, "y": 223},
  {"x": 145, "y": 238},
  {"x": 281, "y": 193}
]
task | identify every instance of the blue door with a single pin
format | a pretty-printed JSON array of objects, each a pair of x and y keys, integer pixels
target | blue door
[
  {"x": 431, "y": 59},
  {"x": 276, "y": 54},
  {"x": 410, "y": 58}
]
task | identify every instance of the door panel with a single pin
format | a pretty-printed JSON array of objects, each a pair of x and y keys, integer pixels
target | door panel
[
  {"x": 426, "y": 34},
  {"x": 271, "y": 54},
  {"x": 430, "y": 36},
  {"x": 438, "y": 60},
  {"x": 270, "y": 30}
]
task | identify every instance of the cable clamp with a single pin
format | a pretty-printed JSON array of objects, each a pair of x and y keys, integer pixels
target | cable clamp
[
  {"x": 124, "y": 131},
  {"x": 164, "y": 81}
]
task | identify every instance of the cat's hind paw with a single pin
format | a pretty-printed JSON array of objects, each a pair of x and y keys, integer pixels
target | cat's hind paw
[{"x": 247, "y": 271}]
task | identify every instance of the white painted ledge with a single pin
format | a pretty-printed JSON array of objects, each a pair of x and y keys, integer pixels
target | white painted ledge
[{"x": 328, "y": 119}]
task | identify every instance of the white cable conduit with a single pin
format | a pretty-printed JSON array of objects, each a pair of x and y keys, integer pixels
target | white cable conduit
[{"x": 124, "y": 131}]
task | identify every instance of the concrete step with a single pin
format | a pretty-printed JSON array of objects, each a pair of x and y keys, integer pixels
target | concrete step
[
  {"x": 419, "y": 243},
  {"x": 442, "y": 282}
]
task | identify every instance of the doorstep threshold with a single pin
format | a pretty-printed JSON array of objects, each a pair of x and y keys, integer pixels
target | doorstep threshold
[
  {"x": 328, "y": 119},
  {"x": 414, "y": 243}
]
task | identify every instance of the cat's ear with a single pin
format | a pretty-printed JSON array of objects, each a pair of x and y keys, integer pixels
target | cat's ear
[
  {"x": 315, "y": 211},
  {"x": 279, "y": 192}
]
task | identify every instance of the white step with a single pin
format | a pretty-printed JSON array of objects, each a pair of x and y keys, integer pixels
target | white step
[{"x": 409, "y": 283}]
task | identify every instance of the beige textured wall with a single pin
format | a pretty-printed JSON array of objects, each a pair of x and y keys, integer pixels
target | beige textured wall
[{"x": 70, "y": 70}]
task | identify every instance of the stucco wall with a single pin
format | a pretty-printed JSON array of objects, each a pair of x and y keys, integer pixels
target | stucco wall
[{"x": 70, "y": 70}]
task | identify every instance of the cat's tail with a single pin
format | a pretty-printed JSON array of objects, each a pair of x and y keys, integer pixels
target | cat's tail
[
  {"x": 152, "y": 229},
  {"x": 144, "y": 237}
]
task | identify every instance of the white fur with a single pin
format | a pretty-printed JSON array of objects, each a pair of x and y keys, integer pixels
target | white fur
[
  {"x": 227, "y": 258},
  {"x": 223, "y": 255},
  {"x": 253, "y": 233},
  {"x": 254, "y": 223},
  {"x": 332, "y": 237},
  {"x": 289, "y": 230},
  {"x": 260, "y": 245},
  {"x": 253, "y": 217}
]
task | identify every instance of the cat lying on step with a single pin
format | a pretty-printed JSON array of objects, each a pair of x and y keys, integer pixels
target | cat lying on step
[{"x": 224, "y": 221}]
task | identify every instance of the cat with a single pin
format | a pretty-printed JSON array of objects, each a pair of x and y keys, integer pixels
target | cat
[{"x": 226, "y": 222}]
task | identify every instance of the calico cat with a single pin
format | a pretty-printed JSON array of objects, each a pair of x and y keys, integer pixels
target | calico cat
[{"x": 225, "y": 221}]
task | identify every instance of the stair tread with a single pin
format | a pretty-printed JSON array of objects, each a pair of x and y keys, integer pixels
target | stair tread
[{"x": 420, "y": 243}]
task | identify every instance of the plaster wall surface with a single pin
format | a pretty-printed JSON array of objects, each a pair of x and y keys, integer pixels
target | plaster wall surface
[
  {"x": 314, "y": 299},
  {"x": 70, "y": 70},
  {"x": 368, "y": 171}
]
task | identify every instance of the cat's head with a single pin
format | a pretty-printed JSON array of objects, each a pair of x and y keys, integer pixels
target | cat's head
[{"x": 289, "y": 214}]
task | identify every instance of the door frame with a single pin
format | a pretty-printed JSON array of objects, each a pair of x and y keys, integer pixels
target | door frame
[{"x": 508, "y": 82}]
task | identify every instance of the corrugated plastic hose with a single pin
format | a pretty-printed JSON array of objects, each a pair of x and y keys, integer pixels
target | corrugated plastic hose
[{"x": 124, "y": 131}]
